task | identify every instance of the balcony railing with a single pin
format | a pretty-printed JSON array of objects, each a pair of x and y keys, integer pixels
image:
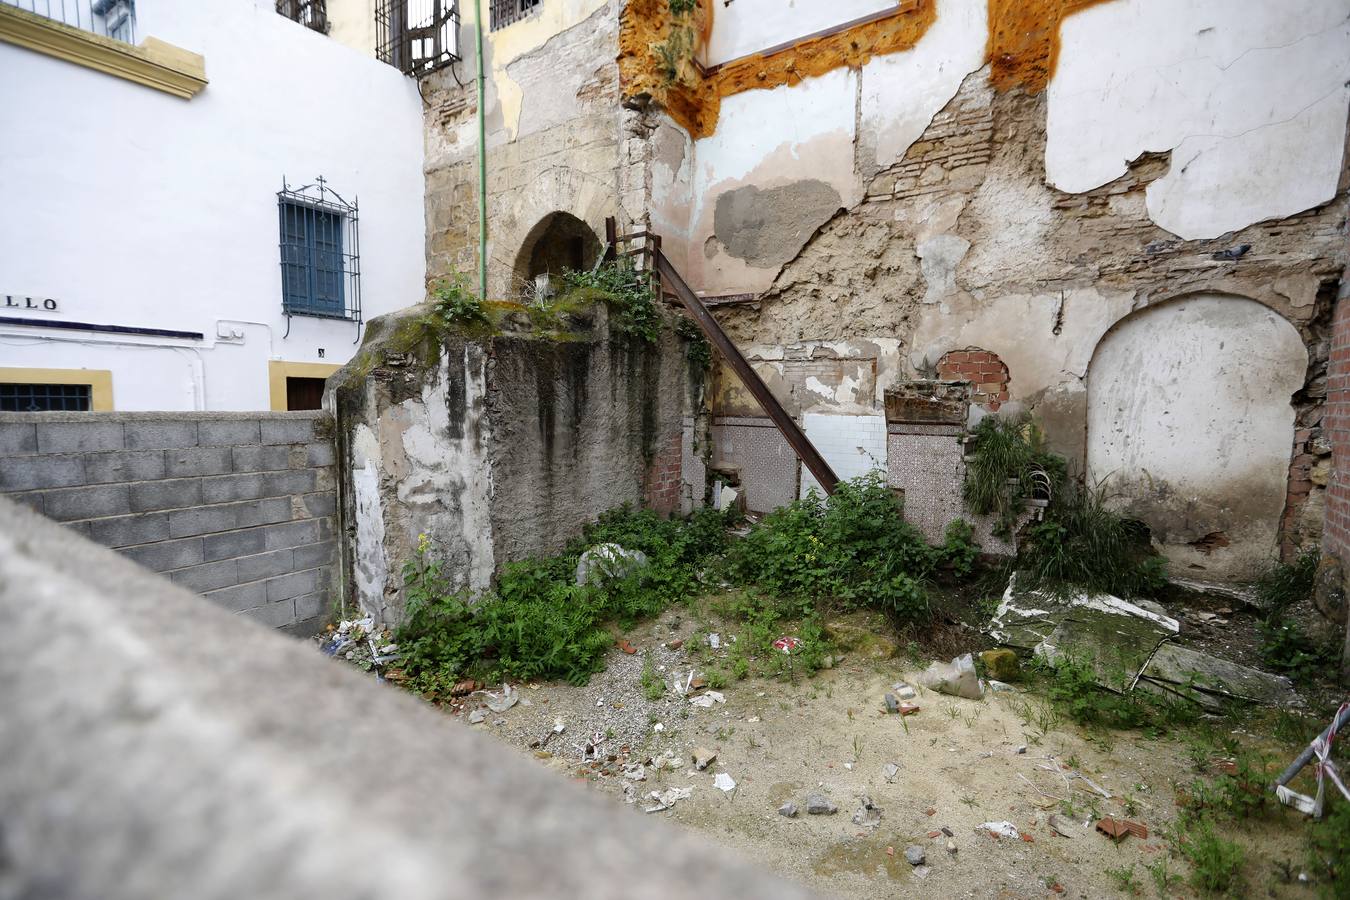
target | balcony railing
[
  {"x": 417, "y": 37},
  {"x": 312, "y": 14},
  {"x": 111, "y": 18}
]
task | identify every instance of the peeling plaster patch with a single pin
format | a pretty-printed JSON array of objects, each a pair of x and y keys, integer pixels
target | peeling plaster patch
[
  {"x": 1250, "y": 96},
  {"x": 903, "y": 91},
  {"x": 939, "y": 256},
  {"x": 769, "y": 227},
  {"x": 371, "y": 572}
]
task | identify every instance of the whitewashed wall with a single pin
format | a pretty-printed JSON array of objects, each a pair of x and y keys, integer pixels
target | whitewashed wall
[
  {"x": 749, "y": 26},
  {"x": 132, "y": 207}
]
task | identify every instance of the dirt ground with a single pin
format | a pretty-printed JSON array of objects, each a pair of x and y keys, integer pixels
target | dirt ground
[{"x": 957, "y": 763}]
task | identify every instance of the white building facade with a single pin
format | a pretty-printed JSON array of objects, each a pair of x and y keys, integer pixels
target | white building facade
[{"x": 199, "y": 213}]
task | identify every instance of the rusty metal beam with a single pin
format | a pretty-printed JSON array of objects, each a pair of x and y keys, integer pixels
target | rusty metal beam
[{"x": 796, "y": 438}]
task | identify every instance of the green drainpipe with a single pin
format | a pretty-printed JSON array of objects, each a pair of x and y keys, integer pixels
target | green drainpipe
[{"x": 482, "y": 156}]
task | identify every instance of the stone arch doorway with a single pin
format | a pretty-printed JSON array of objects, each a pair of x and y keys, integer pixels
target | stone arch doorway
[
  {"x": 558, "y": 242},
  {"x": 1190, "y": 422}
]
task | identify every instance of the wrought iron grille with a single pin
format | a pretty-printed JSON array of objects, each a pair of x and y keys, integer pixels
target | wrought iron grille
[
  {"x": 320, "y": 252},
  {"x": 309, "y": 13},
  {"x": 417, "y": 37},
  {"x": 503, "y": 12},
  {"x": 45, "y": 397},
  {"x": 111, "y": 18}
]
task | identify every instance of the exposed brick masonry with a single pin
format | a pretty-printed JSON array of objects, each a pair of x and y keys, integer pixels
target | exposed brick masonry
[
  {"x": 236, "y": 506},
  {"x": 987, "y": 374}
]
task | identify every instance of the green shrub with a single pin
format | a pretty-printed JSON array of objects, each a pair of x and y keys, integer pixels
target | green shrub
[
  {"x": 1074, "y": 689},
  {"x": 1007, "y": 456},
  {"x": 1216, "y": 863},
  {"x": 1081, "y": 543},
  {"x": 456, "y": 305},
  {"x": 959, "y": 550},
  {"x": 1285, "y": 647},
  {"x": 854, "y": 546},
  {"x": 629, "y": 293},
  {"x": 1330, "y": 851}
]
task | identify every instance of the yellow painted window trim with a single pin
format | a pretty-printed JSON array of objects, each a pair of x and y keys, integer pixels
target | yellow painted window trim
[
  {"x": 279, "y": 370},
  {"x": 154, "y": 63},
  {"x": 99, "y": 381}
]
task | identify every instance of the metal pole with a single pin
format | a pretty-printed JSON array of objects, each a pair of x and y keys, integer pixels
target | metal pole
[{"x": 482, "y": 155}]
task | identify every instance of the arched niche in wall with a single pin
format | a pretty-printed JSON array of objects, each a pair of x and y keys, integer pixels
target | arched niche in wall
[
  {"x": 1190, "y": 424},
  {"x": 557, "y": 243}
]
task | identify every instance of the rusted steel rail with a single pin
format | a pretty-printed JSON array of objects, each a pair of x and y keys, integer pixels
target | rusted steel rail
[{"x": 791, "y": 431}]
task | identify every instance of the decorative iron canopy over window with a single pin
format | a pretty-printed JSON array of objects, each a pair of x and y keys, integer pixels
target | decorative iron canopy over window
[
  {"x": 320, "y": 253},
  {"x": 504, "y": 12},
  {"x": 417, "y": 37},
  {"x": 309, "y": 13}
]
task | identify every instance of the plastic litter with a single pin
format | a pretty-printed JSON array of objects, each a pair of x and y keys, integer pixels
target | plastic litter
[
  {"x": 1000, "y": 829},
  {"x": 707, "y": 700},
  {"x": 724, "y": 782},
  {"x": 667, "y": 799},
  {"x": 957, "y": 678},
  {"x": 787, "y": 644}
]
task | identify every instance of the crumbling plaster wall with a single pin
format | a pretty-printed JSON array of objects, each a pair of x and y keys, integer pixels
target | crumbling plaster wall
[
  {"x": 557, "y": 139},
  {"x": 1029, "y": 223},
  {"x": 497, "y": 448}
]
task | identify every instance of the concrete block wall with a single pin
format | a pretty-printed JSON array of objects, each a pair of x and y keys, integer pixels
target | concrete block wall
[{"x": 238, "y": 507}]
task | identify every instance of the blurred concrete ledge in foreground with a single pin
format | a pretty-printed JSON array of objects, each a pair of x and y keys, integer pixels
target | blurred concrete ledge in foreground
[{"x": 154, "y": 745}]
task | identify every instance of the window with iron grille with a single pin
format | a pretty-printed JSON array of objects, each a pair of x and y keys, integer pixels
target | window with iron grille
[
  {"x": 111, "y": 18},
  {"x": 309, "y": 13},
  {"x": 417, "y": 37},
  {"x": 503, "y": 12},
  {"x": 320, "y": 273},
  {"x": 45, "y": 397}
]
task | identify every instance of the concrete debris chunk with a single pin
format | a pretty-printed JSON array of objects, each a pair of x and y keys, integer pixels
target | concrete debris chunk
[
  {"x": 635, "y": 772},
  {"x": 667, "y": 799},
  {"x": 476, "y": 716},
  {"x": 788, "y": 810},
  {"x": 891, "y": 770},
  {"x": 707, "y": 700},
  {"x": 606, "y": 561},
  {"x": 868, "y": 814},
  {"x": 921, "y": 871},
  {"x": 904, "y": 691},
  {"x": 892, "y": 704},
  {"x": 957, "y": 678},
  {"x": 1000, "y": 829},
  {"x": 914, "y": 855},
  {"x": 703, "y": 757},
  {"x": 819, "y": 805},
  {"x": 1128, "y": 646},
  {"x": 500, "y": 703}
]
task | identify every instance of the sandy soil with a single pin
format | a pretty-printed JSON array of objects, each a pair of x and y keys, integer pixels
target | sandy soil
[{"x": 958, "y": 766}]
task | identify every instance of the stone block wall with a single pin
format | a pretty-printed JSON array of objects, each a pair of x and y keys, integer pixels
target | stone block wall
[{"x": 238, "y": 507}]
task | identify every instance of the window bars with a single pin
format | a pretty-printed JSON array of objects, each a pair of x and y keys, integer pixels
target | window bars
[
  {"x": 503, "y": 12},
  {"x": 111, "y": 18},
  {"x": 417, "y": 37},
  {"x": 320, "y": 253},
  {"x": 45, "y": 397},
  {"x": 312, "y": 14}
]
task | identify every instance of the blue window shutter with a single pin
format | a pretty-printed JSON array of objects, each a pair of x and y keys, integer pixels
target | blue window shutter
[{"x": 312, "y": 261}]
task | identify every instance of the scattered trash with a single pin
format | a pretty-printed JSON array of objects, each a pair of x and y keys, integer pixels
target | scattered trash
[
  {"x": 476, "y": 716},
  {"x": 1116, "y": 829},
  {"x": 752, "y": 719},
  {"x": 468, "y": 686},
  {"x": 891, "y": 771},
  {"x": 658, "y": 727},
  {"x": 908, "y": 709},
  {"x": 724, "y": 782},
  {"x": 1321, "y": 749},
  {"x": 892, "y": 704},
  {"x": 675, "y": 644},
  {"x": 890, "y": 851},
  {"x": 500, "y": 703},
  {"x": 787, "y": 644},
  {"x": 707, "y": 700},
  {"x": 904, "y": 691},
  {"x": 788, "y": 810},
  {"x": 1000, "y": 829},
  {"x": 635, "y": 772},
  {"x": 947, "y": 831},
  {"x": 819, "y": 805},
  {"x": 951, "y": 846},
  {"x": 914, "y": 855},
  {"x": 666, "y": 799},
  {"x": 957, "y": 678},
  {"x": 999, "y": 687},
  {"x": 703, "y": 757},
  {"x": 715, "y": 641},
  {"x": 868, "y": 814},
  {"x": 605, "y": 561},
  {"x": 627, "y": 647}
]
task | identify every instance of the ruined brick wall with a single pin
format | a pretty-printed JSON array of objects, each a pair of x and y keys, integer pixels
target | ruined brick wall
[
  {"x": 1332, "y": 582},
  {"x": 664, "y": 476},
  {"x": 238, "y": 507}
]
